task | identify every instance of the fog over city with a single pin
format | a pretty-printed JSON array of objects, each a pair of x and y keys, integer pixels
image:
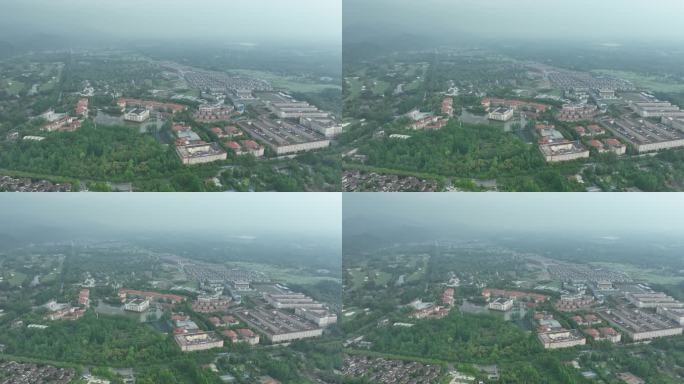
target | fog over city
[
  {"x": 245, "y": 22},
  {"x": 534, "y": 216},
  {"x": 234, "y": 217},
  {"x": 604, "y": 22}
]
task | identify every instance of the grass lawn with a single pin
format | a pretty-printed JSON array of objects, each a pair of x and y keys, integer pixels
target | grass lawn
[
  {"x": 380, "y": 87},
  {"x": 415, "y": 84},
  {"x": 52, "y": 276},
  {"x": 354, "y": 87},
  {"x": 382, "y": 278},
  {"x": 15, "y": 280},
  {"x": 12, "y": 87},
  {"x": 357, "y": 278}
]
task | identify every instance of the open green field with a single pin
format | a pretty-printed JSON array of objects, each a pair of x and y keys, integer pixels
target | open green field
[
  {"x": 382, "y": 278},
  {"x": 52, "y": 70},
  {"x": 415, "y": 84},
  {"x": 357, "y": 278},
  {"x": 291, "y": 83},
  {"x": 416, "y": 276},
  {"x": 653, "y": 83},
  {"x": 641, "y": 274},
  {"x": 13, "y": 87},
  {"x": 14, "y": 278},
  {"x": 354, "y": 87},
  {"x": 417, "y": 69},
  {"x": 379, "y": 87},
  {"x": 50, "y": 277},
  {"x": 356, "y": 84},
  {"x": 285, "y": 275}
]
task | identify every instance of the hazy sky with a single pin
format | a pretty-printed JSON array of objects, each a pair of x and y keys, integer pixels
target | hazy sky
[
  {"x": 533, "y": 213},
  {"x": 602, "y": 20},
  {"x": 237, "y": 214},
  {"x": 252, "y": 21}
]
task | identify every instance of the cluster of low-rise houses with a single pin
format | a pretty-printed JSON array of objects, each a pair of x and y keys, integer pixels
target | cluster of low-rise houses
[
  {"x": 241, "y": 86},
  {"x": 388, "y": 371},
  {"x": 575, "y": 301},
  {"x": 583, "y": 82},
  {"x": 208, "y": 303},
  {"x": 12, "y": 372},
  {"x": 358, "y": 181},
  {"x": 25, "y": 184},
  {"x": 219, "y": 111},
  {"x": 577, "y": 112}
]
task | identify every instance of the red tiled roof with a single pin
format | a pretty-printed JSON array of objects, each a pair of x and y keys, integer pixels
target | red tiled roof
[
  {"x": 251, "y": 144},
  {"x": 245, "y": 332},
  {"x": 231, "y": 334}
]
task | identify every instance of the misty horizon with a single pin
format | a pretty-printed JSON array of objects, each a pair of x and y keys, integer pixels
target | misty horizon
[
  {"x": 82, "y": 23},
  {"x": 241, "y": 217},
  {"x": 472, "y": 22},
  {"x": 608, "y": 217}
]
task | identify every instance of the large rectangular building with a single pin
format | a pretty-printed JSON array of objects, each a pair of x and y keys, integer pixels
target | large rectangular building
[
  {"x": 286, "y": 107},
  {"x": 657, "y": 108},
  {"x": 561, "y": 339},
  {"x": 674, "y": 314},
  {"x": 676, "y": 123},
  {"x": 200, "y": 153},
  {"x": 284, "y": 137},
  {"x": 501, "y": 304},
  {"x": 640, "y": 325},
  {"x": 198, "y": 341},
  {"x": 297, "y": 110},
  {"x": 137, "y": 305},
  {"x": 501, "y": 114},
  {"x": 563, "y": 151},
  {"x": 137, "y": 115},
  {"x": 278, "y": 326},
  {"x": 326, "y": 127},
  {"x": 321, "y": 317},
  {"x": 291, "y": 300},
  {"x": 644, "y": 135},
  {"x": 653, "y": 300}
]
